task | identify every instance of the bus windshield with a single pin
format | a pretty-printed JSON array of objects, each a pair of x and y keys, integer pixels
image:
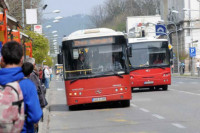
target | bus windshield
[
  {"x": 95, "y": 60},
  {"x": 149, "y": 54}
]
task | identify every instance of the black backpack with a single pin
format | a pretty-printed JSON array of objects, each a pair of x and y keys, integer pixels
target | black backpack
[{"x": 43, "y": 76}]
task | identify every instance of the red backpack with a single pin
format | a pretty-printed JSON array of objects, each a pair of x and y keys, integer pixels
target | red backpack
[{"x": 11, "y": 108}]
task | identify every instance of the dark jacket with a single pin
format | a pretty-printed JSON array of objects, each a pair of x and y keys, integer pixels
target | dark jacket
[
  {"x": 40, "y": 89},
  {"x": 31, "y": 101}
]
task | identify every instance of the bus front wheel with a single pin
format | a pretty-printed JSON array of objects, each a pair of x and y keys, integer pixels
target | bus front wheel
[{"x": 125, "y": 103}]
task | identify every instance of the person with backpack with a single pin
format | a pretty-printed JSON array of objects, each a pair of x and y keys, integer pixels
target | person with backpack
[{"x": 11, "y": 72}]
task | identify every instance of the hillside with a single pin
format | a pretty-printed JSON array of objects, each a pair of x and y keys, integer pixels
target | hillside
[{"x": 67, "y": 25}]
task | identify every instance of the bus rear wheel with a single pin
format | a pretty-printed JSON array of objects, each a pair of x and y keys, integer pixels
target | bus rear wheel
[
  {"x": 165, "y": 87},
  {"x": 151, "y": 88},
  {"x": 73, "y": 107},
  {"x": 125, "y": 103}
]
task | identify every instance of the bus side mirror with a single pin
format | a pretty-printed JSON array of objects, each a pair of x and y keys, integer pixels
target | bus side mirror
[
  {"x": 60, "y": 58},
  {"x": 129, "y": 52}
]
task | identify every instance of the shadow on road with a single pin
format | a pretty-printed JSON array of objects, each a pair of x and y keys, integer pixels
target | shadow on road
[
  {"x": 92, "y": 106},
  {"x": 145, "y": 90},
  {"x": 58, "y": 107}
]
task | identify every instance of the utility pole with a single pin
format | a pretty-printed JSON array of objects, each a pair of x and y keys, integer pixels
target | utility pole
[
  {"x": 23, "y": 13},
  {"x": 191, "y": 43}
]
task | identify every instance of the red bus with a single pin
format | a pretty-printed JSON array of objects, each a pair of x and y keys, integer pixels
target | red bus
[
  {"x": 96, "y": 67},
  {"x": 149, "y": 63}
]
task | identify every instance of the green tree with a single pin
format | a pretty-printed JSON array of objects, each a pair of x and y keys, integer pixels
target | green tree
[
  {"x": 40, "y": 46},
  {"x": 48, "y": 61}
]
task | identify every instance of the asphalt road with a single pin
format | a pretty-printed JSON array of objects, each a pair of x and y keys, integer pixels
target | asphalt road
[{"x": 174, "y": 111}]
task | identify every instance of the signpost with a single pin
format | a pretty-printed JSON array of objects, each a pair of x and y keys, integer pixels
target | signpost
[
  {"x": 192, "y": 51},
  {"x": 160, "y": 29}
]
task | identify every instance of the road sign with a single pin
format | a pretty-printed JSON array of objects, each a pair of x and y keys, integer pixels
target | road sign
[
  {"x": 38, "y": 29},
  {"x": 192, "y": 51},
  {"x": 160, "y": 30}
]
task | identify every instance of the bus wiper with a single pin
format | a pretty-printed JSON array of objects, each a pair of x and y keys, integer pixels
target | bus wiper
[
  {"x": 132, "y": 68},
  {"x": 116, "y": 74},
  {"x": 74, "y": 80},
  {"x": 159, "y": 67}
]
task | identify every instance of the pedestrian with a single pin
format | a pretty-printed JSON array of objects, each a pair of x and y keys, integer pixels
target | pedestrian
[
  {"x": 12, "y": 58},
  {"x": 51, "y": 73},
  {"x": 47, "y": 76},
  {"x": 40, "y": 74},
  {"x": 27, "y": 69},
  {"x": 34, "y": 76},
  {"x": 198, "y": 67},
  {"x": 172, "y": 68}
]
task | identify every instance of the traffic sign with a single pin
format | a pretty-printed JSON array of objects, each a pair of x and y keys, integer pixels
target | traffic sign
[
  {"x": 160, "y": 30},
  {"x": 192, "y": 51}
]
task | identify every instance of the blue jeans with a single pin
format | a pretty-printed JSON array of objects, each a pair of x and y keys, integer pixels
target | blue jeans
[{"x": 46, "y": 83}]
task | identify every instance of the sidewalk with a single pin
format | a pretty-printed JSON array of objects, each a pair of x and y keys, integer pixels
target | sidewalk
[
  {"x": 56, "y": 107},
  {"x": 185, "y": 75},
  {"x": 43, "y": 126}
]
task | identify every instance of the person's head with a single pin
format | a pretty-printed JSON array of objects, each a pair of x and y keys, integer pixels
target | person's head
[
  {"x": 81, "y": 57},
  {"x": 12, "y": 54},
  {"x": 40, "y": 68},
  {"x": 31, "y": 60},
  {"x": 27, "y": 69}
]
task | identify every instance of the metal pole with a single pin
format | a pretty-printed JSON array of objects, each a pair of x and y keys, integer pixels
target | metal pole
[
  {"x": 177, "y": 41},
  {"x": 191, "y": 44},
  {"x": 31, "y": 8},
  {"x": 23, "y": 13}
]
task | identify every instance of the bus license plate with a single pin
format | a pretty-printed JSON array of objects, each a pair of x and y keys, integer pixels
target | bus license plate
[
  {"x": 148, "y": 82},
  {"x": 99, "y": 99}
]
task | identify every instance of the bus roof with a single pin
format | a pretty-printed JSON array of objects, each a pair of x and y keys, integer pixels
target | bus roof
[
  {"x": 136, "y": 40},
  {"x": 92, "y": 33}
]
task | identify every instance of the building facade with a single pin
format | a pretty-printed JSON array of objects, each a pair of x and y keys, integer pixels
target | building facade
[{"x": 186, "y": 15}]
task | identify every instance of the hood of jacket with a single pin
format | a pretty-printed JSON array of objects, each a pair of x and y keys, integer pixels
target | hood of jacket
[{"x": 10, "y": 75}]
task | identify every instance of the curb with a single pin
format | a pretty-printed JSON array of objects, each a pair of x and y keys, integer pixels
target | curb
[{"x": 44, "y": 126}]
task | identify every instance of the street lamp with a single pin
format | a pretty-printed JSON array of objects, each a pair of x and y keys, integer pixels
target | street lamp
[
  {"x": 48, "y": 26},
  {"x": 54, "y": 11},
  {"x": 56, "y": 21},
  {"x": 54, "y": 31},
  {"x": 59, "y": 17},
  {"x": 177, "y": 41}
]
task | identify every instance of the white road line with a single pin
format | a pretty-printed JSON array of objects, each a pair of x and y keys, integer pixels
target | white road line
[
  {"x": 133, "y": 105},
  {"x": 144, "y": 110},
  {"x": 158, "y": 116},
  {"x": 60, "y": 89},
  {"x": 178, "y": 125},
  {"x": 180, "y": 82},
  {"x": 196, "y": 94}
]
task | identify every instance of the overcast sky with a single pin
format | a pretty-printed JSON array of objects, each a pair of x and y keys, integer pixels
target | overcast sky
[{"x": 70, "y": 7}]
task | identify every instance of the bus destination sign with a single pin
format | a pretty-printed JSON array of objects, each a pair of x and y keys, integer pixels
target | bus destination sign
[{"x": 94, "y": 41}]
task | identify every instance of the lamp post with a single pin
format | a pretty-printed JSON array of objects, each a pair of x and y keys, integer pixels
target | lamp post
[
  {"x": 177, "y": 41},
  {"x": 23, "y": 13}
]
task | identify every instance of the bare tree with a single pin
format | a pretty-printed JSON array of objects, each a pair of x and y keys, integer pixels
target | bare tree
[
  {"x": 15, "y": 9},
  {"x": 114, "y": 12},
  {"x": 98, "y": 15}
]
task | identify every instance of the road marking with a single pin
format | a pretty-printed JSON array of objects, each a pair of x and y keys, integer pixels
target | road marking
[
  {"x": 158, "y": 116},
  {"x": 144, "y": 110},
  {"x": 186, "y": 92},
  {"x": 194, "y": 83},
  {"x": 180, "y": 82},
  {"x": 133, "y": 105},
  {"x": 178, "y": 125},
  {"x": 60, "y": 89}
]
